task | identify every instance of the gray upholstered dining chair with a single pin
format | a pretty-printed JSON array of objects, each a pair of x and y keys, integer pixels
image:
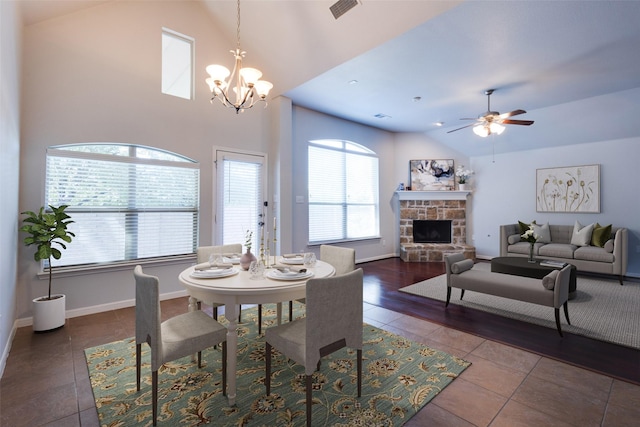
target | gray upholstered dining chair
[
  {"x": 203, "y": 254},
  {"x": 343, "y": 261},
  {"x": 177, "y": 337},
  {"x": 333, "y": 321}
]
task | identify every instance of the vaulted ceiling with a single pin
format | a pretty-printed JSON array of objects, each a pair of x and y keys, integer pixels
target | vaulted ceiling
[{"x": 572, "y": 65}]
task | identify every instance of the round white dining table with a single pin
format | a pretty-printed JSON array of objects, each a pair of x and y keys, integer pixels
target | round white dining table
[{"x": 241, "y": 288}]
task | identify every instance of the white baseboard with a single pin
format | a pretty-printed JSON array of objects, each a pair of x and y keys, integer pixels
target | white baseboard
[
  {"x": 84, "y": 311},
  {"x": 378, "y": 257},
  {"x": 7, "y": 348}
]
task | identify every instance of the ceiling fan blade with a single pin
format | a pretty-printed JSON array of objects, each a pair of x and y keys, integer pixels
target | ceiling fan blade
[
  {"x": 511, "y": 113},
  {"x": 461, "y": 127},
  {"x": 516, "y": 122},
  {"x": 468, "y": 118}
]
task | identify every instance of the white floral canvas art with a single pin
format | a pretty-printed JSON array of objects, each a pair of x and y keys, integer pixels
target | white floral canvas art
[
  {"x": 568, "y": 189},
  {"x": 432, "y": 174}
]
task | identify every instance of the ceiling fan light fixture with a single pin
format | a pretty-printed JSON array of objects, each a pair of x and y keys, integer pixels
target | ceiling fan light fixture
[
  {"x": 481, "y": 130},
  {"x": 496, "y": 128}
]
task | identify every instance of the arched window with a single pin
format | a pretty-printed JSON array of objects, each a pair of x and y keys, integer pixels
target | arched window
[
  {"x": 128, "y": 202},
  {"x": 343, "y": 192}
]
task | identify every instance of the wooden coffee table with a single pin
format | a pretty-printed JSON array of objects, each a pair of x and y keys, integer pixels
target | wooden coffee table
[{"x": 520, "y": 266}]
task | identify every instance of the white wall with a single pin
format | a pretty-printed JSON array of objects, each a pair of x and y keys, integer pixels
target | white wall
[
  {"x": 9, "y": 168},
  {"x": 505, "y": 191},
  {"x": 94, "y": 75},
  {"x": 308, "y": 125}
]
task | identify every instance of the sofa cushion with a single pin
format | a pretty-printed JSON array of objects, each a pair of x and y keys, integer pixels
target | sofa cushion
[
  {"x": 543, "y": 232},
  {"x": 523, "y": 248},
  {"x": 524, "y": 227},
  {"x": 557, "y": 250},
  {"x": 608, "y": 247},
  {"x": 581, "y": 234},
  {"x": 460, "y": 266},
  {"x": 600, "y": 235},
  {"x": 549, "y": 281},
  {"x": 593, "y": 253},
  {"x": 513, "y": 239}
]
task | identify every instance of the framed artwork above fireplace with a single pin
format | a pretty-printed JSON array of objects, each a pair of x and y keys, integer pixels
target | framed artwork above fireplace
[{"x": 427, "y": 174}]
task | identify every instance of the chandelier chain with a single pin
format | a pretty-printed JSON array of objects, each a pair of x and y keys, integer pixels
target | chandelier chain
[
  {"x": 244, "y": 81},
  {"x": 238, "y": 27}
]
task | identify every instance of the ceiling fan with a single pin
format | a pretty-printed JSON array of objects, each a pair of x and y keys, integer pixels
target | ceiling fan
[{"x": 491, "y": 122}]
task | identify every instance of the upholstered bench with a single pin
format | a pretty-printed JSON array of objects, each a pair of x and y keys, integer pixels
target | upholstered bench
[{"x": 550, "y": 291}]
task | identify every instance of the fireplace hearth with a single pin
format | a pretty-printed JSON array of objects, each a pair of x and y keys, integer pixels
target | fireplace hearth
[{"x": 438, "y": 208}]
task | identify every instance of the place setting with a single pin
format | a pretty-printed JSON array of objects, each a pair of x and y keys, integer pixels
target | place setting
[
  {"x": 214, "y": 269},
  {"x": 290, "y": 269}
]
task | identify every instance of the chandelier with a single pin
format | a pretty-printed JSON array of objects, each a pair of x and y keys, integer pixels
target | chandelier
[
  {"x": 488, "y": 128},
  {"x": 245, "y": 82}
]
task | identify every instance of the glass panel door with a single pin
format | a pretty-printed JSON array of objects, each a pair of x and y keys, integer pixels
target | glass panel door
[{"x": 241, "y": 193}]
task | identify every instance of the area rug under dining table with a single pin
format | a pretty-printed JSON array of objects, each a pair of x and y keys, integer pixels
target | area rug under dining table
[
  {"x": 399, "y": 377},
  {"x": 602, "y": 309}
]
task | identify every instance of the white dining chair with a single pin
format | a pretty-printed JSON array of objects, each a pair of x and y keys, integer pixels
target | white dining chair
[
  {"x": 177, "y": 337},
  {"x": 333, "y": 320}
]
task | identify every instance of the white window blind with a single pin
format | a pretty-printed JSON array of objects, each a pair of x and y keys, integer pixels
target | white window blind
[
  {"x": 240, "y": 196},
  {"x": 343, "y": 192},
  {"x": 127, "y": 202}
]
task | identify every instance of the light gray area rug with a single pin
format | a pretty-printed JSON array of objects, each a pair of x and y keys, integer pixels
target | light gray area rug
[{"x": 602, "y": 309}]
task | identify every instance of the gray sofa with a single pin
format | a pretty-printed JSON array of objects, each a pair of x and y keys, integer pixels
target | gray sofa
[
  {"x": 551, "y": 291},
  {"x": 610, "y": 259}
]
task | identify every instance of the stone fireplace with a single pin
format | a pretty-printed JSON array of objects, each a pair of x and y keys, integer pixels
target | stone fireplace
[{"x": 433, "y": 205}]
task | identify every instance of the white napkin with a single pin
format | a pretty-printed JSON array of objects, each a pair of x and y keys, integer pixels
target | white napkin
[
  {"x": 208, "y": 265},
  {"x": 292, "y": 256}
]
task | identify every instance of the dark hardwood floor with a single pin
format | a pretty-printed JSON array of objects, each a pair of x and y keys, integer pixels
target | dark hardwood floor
[{"x": 383, "y": 278}]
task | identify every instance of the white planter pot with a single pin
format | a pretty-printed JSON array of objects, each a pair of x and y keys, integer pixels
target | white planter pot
[
  {"x": 49, "y": 314},
  {"x": 463, "y": 187}
]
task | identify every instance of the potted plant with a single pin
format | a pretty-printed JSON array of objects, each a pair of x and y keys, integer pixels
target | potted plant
[
  {"x": 463, "y": 177},
  {"x": 46, "y": 229}
]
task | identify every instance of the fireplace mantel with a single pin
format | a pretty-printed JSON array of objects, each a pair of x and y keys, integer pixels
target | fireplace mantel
[{"x": 433, "y": 195}]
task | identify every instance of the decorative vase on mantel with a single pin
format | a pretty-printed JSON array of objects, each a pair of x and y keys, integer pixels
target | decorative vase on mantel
[
  {"x": 463, "y": 187},
  {"x": 246, "y": 258}
]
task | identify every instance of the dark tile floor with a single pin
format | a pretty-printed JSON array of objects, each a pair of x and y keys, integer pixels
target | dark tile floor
[{"x": 46, "y": 381}]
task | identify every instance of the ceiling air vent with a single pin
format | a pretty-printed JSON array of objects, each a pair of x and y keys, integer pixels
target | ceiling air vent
[{"x": 342, "y": 6}]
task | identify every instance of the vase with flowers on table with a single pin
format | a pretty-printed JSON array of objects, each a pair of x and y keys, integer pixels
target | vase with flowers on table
[
  {"x": 532, "y": 238},
  {"x": 247, "y": 257}
]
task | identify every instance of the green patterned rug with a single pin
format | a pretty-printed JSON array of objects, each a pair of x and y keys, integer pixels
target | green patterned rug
[{"x": 399, "y": 377}]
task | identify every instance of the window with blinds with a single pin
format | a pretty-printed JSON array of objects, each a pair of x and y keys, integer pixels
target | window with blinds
[
  {"x": 127, "y": 202},
  {"x": 343, "y": 192},
  {"x": 240, "y": 197}
]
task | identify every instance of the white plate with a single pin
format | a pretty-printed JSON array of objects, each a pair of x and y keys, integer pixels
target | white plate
[
  {"x": 292, "y": 275},
  {"x": 292, "y": 261},
  {"x": 214, "y": 273}
]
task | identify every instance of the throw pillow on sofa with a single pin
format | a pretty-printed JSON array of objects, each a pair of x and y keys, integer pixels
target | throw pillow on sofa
[
  {"x": 524, "y": 227},
  {"x": 543, "y": 232},
  {"x": 581, "y": 234},
  {"x": 514, "y": 238},
  {"x": 608, "y": 247},
  {"x": 600, "y": 235}
]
